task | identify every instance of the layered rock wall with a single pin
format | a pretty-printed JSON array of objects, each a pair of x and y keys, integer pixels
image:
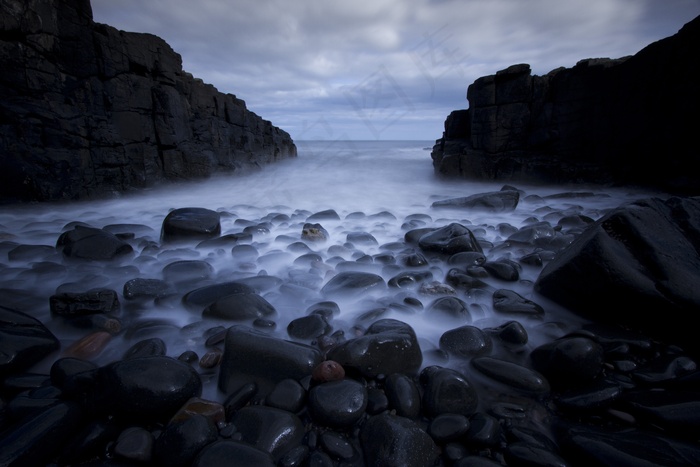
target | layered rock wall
[
  {"x": 631, "y": 120},
  {"x": 87, "y": 110}
]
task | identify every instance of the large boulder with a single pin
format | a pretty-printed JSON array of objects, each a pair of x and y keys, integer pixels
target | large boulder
[{"x": 637, "y": 266}]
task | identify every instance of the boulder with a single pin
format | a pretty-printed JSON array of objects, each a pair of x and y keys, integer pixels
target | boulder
[{"x": 637, "y": 266}]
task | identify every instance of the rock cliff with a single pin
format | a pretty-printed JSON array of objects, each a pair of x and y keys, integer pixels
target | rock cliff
[
  {"x": 87, "y": 110},
  {"x": 631, "y": 120}
]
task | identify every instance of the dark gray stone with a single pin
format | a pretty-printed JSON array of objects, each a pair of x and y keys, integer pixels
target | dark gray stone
[
  {"x": 337, "y": 404},
  {"x": 24, "y": 341},
  {"x": 393, "y": 441}
]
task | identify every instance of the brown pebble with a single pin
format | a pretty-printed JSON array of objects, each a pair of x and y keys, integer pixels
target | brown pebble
[
  {"x": 210, "y": 359},
  {"x": 198, "y": 406},
  {"x": 328, "y": 370},
  {"x": 89, "y": 346}
]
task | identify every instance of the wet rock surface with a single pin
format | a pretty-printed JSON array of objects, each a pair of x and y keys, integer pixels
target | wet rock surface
[{"x": 390, "y": 339}]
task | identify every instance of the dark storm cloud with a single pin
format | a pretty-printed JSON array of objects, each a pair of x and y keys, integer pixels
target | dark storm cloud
[{"x": 384, "y": 69}]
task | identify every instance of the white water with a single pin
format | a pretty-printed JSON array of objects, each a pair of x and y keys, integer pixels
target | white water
[{"x": 346, "y": 176}]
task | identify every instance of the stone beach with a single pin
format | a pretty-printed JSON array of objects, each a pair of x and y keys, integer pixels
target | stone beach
[{"x": 284, "y": 336}]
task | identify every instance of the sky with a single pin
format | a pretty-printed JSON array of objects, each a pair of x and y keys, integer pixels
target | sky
[{"x": 383, "y": 69}]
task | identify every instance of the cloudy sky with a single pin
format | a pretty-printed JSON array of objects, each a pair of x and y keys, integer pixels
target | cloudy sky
[{"x": 384, "y": 69}]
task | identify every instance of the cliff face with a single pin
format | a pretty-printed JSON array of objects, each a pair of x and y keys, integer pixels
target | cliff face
[
  {"x": 632, "y": 121},
  {"x": 86, "y": 110}
]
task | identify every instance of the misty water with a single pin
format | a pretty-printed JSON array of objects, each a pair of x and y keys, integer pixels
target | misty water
[{"x": 382, "y": 188}]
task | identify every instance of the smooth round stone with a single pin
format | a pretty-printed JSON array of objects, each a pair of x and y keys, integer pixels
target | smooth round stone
[
  {"x": 511, "y": 332},
  {"x": 388, "y": 346},
  {"x": 447, "y": 391},
  {"x": 467, "y": 258},
  {"x": 327, "y": 309},
  {"x": 337, "y": 445},
  {"x": 674, "y": 410},
  {"x": 92, "y": 244},
  {"x": 326, "y": 215},
  {"x": 225, "y": 241},
  {"x": 205, "y": 296},
  {"x": 590, "y": 397},
  {"x": 398, "y": 441},
  {"x": 308, "y": 327},
  {"x": 569, "y": 361},
  {"x": 240, "y": 307},
  {"x": 64, "y": 370},
  {"x": 328, "y": 371},
  {"x": 287, "y": 395},
  {"x": 410, "y": 279},
  {"x": 466, "y": 342},
  {"x": 188, "y": 270},
  {"x": 221, "y": 453},
  {"x": 504, "y": 200},
  {"x": 135, "y": 444},
  {"x": 31, "y": 253},
  {"x": 353, "y": 284},
  {"x": 238, "y": 399},
  {"x": 147, "y": 388},
  {"x": 503, "y": 269},
  {"x": 484, "y": 431},
  {"x": 295, "y": 457},
  {"x": 403, "y": 395},
  {"x": 146, "y": 348},
  {"x": 452, "y": 308},
  {"x": 512, "y": 374},
  {"x": 361, "y": 238},
  {"x": 377, "y": 401},
  {"x": 255, "y": 356},
  {"x": 463, "y": 281},
  {"x": 245, "y": 252},
  {"x": 190, "y": 224},
  {"x": 509, "y": 302},
  {"x": 24, "y": 341},
  {"x": 141, "y": 288},
  {"x": 268, "y": 429},
  {"x": 531, "y": 233},
  {"x": 451, "y": 239},
  {"x": 337, "y": 404},
  {"x": 448, "y": 427},
  {"x": 182, "y": 439}
]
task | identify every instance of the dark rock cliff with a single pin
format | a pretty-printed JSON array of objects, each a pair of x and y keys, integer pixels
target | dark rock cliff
[
  {"x": 87, "y": 110},
  {"x": 631, "y": 121}
]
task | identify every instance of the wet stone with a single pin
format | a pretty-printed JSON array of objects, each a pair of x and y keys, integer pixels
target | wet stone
[
  {"x": 509, "y": 302},
  {"x": 450, "y": 307},
  {"x": 511, "y": 333},
  {"x": 287, "y": 395},
  {"x": 568, "y": 361},
  {"x": 337, "y": 404},
  {"x": 403, "y": 395},
  {"x": 484, "y": 431},
  {"x": 327, "y": 215},
  {"x": 141, "y": 288},
  {"x": 240, "y": 307},
  {"x": 353, "y": 284},
  {"x": 24, "y": 341},
  {"x": 466, "y": 342},
  {"x": 361, "y": 238},
  {"x": 590, "y": 397},
  {"x": 147, "y": 388},
  {"x": 467, "y": 258},
  {"x": 460, "y": 280},
  {"x": 512, "y": 374},
  {"x": 253, "y": 356},
  {"x": 268, "y": 429},
  {"x": 392, "y": 440},
  {"x": 187, "y": 224},
  {"x": 449, "y": 240},
  {"x": 337, "y": 445},
  {"x": 328, "y": 371},
  {"x": 388, "y": 346},
  {"x": 205, "y": 296},
  {"x": 495, "y": 201},
  {"x": 409, "y": 279},
  {"x": 135, "y": 444},
  {"x": 181, "y": 440},
  {"x": 88, "y": 243},
  {"x": 188, "y": 271},
  {"x": 146, "y": 348},
  {"x": 503, "y": 269},
  {"x": 448, "y": 427},
  {"x": 447, "y": 391},
  {"x": 520, "y": 453}
]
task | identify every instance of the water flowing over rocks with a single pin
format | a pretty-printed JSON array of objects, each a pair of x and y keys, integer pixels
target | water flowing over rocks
[
  {"x": 88, "y": 110},
  {"x": 388, "y": 342},
  {"x": 585, "y": 123}
]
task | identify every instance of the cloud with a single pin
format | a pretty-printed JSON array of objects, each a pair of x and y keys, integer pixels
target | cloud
[{"x": 384, "y": 69}]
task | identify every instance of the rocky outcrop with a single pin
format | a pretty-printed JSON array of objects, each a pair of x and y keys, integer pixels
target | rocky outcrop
[
  {"x": 631, "y": 120},
  {"x": 87, "y": 110}
]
